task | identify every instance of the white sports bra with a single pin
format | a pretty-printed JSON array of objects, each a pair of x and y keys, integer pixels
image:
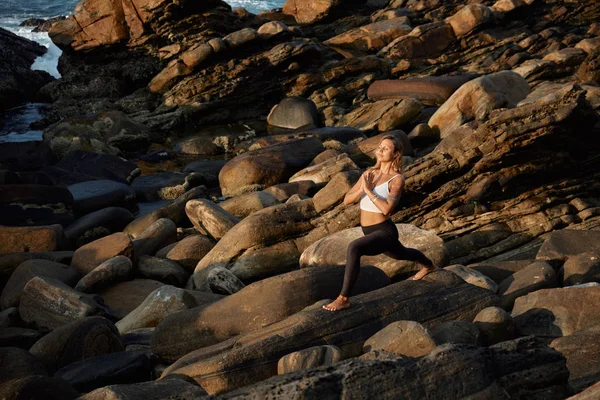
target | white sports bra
[{"x": 382, "y": 191}]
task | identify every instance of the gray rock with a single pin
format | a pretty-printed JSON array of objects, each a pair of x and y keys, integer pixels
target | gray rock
[
  {"x": 243, "y": 205},
  {"x": 473, "y": 277},
  {"x": 582, "y": 268},
  {"x": 9, "y": 317},
  {"x": 210, "y": 217},
  {"x": 539, "y": 275},
  {"x": 97, "y": 225},
  {"x": 294, "y": 113},
  {"x": 408, "y": 338},
  {"x": 35, "y": 205},
  {"x": 161, "y": 233},
  {"x": 156, "y": 390},
  {"x": 222, "y": 281},
  {"x": 109, "y": 272},
  {"x": 95, "y": 195},
  {"x": 456, "y": 332},
  {"x": 162, "y": 270},
  {"x": 495, "y": 325},
  {"x": 164, "y": 185},
  {"x": 562, "y": 244},
  {"x": 18, "y": 337},
  {"x": 312, "y": 357}
]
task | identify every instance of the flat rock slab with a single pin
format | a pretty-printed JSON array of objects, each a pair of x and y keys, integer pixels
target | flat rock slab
[
  {"x": 95, "y": 195},
  {"x": 35, "y": 205},
  {"x": 253, "y": 356},
  {"x": 557, "y": 312},
  {"x": 96, "y": 372},
  {"x": 31, "y": 239},
  {"x": 562, "y": 244},
  {"x": 332, "y": 249},
  {"x": 433, "y": 90},
  {"x": 538, "y": 275}
]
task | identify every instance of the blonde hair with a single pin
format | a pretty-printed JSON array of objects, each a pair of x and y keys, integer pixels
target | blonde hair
[{"x": 398, "y": 150}]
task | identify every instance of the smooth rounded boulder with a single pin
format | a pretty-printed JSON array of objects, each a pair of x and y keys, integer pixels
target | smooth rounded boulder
[
  {"x": 294, "y": 113},
  {"x": 209, "y": 217},
  {"x": 109, "y": 272},
  {"x": 243, "y": 205},
  {"x": 332, "y": 249},
  {"x": 188, "y": 251},
  {"x": 97, "y": 225},
  {"x": 268, "y": 166},
  {"x": 88, "y": 257},
  {"x": 312, "y": 357},
  {"x": 408, "y": 338},
  {"x": 94, "y": 195},
  {"x": 495, "y": 325}
]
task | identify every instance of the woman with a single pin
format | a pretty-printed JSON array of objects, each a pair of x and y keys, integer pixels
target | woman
[{"x": 379, "y": 190}]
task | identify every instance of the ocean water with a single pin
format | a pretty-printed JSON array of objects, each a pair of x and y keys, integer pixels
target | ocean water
[{"x": 14, "y": 123}]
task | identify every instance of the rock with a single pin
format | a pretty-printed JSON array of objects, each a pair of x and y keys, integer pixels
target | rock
[
  {"x": 312, "y": 357},
  {"x": 331, "y": 250},
  {"x": 268, "y": 166},
  {"x": 35, "y": 205},
  {"x": 9, "y": 317},
  {"x": 582, "y": 268},
  {"x": 363, "y": 153},
  {"x": 477, "y": 98},
  {"x": 284, "y": 191},
  {"x": 271, "y": 29},
  {"x": 371, "y": 37},
  {"x": 209, "y": 217},
  {"x": 99, "y": 371},
  {"x": 589, "y": 45},
  {"x": 473, "y": 277},
  {"x": 383, "y": 115},
  {"x": 495, "y": 325},
  {"x": 497, "y": 373},
  {"x": 208, "y": 170},
  {"x": 37, "y": 386},
  {"x": 95, "y": 195},
  {"x": 154, "y": 390},
  {"x": 174, "y": 211},
  {"x": 243, "y": 205},
  {"x": 500, "y": 270},
  {"x": 18, "y": 337},
  {"x": 222, "y": 281},
  {"x": 456, "y": 332},
  {"x": 49, "y": 304},
  {"x": 241, "y": 37},
  {"x": 188, "y": 251},
  {"x": 125, "y": 297},
  {"x": 434, "y": 90},
  {"x": 582, "y": 351},
  {"x": 161, "y": 233},
  {"x": 31, "y": 239},
  {"x": 156, "y": 307},
  {"x": 19, "y": 83},
  {"x": 10, "y": 262},
  {"x": 81, "y": 166},
  {"x": 406, "y": 338},
  {"x": 162, "y": 270},
  {"x": 294, "y": 113},
  {"x": 469, "y": 18},
  {"x": 25, "y": 156},
  {"x": 19, "y": 363},
  {"x": 553, "y": 313},
  {"x": 97, "y": 224},
  {"x": 335, "y": 190},
  {"x": 197, "y": 54},
  {"x": 562, "y": 244},
  {"x": 325, "y": 171},
  {"x": 310, "y": 12},
  {"x": 88, "y": 257},
  {"x": 109, "y": 272},
  {"x": 427, "y": 40},
  {"x": 254, "y": 356},
  {"x": 539, "y": 275},
  {"x": 164, "y": 185},
  {"x": 266, "y": 302},
  {"x": 567, "y": 57},
  {"x": 28, "y": 270},
  {"x": 173, "y": 72},
  {"x": 76, "y": 341}
]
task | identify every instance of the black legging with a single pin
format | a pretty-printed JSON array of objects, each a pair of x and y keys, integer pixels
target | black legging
[{"x": 379, "y": 238}]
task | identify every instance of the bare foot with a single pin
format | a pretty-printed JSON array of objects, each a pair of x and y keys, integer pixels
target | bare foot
[
  {"x": 422, "y": 272},
  {"x": 339, "y": 304}
]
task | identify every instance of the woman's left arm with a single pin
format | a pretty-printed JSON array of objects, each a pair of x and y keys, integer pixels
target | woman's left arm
[{"x": 396, "y": 187}]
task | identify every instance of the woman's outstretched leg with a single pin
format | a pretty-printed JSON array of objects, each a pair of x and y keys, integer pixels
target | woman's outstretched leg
[{"x": 399, "y": 252}]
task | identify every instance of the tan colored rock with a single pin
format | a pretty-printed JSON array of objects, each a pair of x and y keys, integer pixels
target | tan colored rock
[
  {"x": 241, "y": 37},
  {"x": 166, "y": 78},
  {"x": 188, "y": 251},
  {"x": 312, "y": 357},
  {"x": 31, "y": 238},
  {"x": 113, "y": 270},
  {"x": 477, "y": 98},
  {"x": 470, "y": 17},
  {"x": 582, "y": 268},
  {"x": 243, "y": 205},
  {"x": 529, "y": 69},
  {"x": 48, "y": 304},
  {"x": 284, "y": 191},
  {"x": 589, "y": 45},
  {"x": 30, "y": 269},
  {"x": 371, "y": 37},
  {"x": 294, "y": 113},
  {"x": 495, "y": 325},
  {"x": 156, "y": 307},
  {"x": 427, "y": 40},
  {"x": 407, "y": 338},
  {"x": 196, "y": 55},
  {"x": 335, "y": 190},
  {"x": 272, "y": 28},
  {"x": 262, "y": 262},
  {"x": 568, "y": 56},
  {"x": 383, "y": 115},
  {"x": 125, "y": 297},
  {"x": 473, "y": 277},
  {"x": 505, "y": 6},
  {"x": 562, "y": 244},
  {"x": 163, "y": 270},
  {"x": 539, "y": 275},
  {"x": 88, "y": 257},
  {"x": 158, "y": 235},
  {"x": 331, "y": 250},
  {"x": 325, "y": 171},
  {"x": 310, "y": 11},
  {"x": 222, "y": 281},
  {"x": 210, "y": 217}
]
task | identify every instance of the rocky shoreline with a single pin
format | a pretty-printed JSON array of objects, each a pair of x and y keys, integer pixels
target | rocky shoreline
[{"x": 179, "y": 227}]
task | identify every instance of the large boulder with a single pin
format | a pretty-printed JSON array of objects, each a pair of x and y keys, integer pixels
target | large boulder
[
  {"x": 427, "y": 40},
  {"x": 109, "y": 272},
  {"x": 469, "y": 18},
  {"x": 309, "y": 358},
  {"x": 188, "y": 251},
  {"x": 31, "y": 239},
  {"x": 383, "y": 115},
  {"x": 332, "y": 249},
  {"x": 363, "y": 153},
  {"x": 477, "y": 98},
  {"x": 209, "y": 217},
  {"x": 245, "y": 204},
  {"x": 253, "y": 356},
  {"x": 94, "y": 195},
  {"x": 311, "y": 11},
  {"x": 268, "y": 166},
  {"x": 582, "y": 268},
  {"x": 323, "y": 172},
  {"x": 539, "y": 275},
  {"x": 562, "y": 244},
  {"x": 408, "y": 338},
  {"x": 124, "y": 297},
  {"x": 371, "y": 37},
  {"x": 265, "y": 302},
  {"x": 294, "y": 113},
  {"x": 88, "y": 257}
]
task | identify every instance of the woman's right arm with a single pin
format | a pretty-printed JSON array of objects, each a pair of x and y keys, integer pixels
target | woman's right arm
[{"x": 355, "y": 193}]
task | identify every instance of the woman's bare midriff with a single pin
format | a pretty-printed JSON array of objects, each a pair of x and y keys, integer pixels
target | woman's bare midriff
[{"x": 368, "y": 218}]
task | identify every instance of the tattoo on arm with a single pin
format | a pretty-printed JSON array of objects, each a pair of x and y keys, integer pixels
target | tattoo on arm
[{"x": 395, "y": 192}]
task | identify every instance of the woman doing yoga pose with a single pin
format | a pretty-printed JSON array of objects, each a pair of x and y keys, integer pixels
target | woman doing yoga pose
[{"x": 379, "y": 190}]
